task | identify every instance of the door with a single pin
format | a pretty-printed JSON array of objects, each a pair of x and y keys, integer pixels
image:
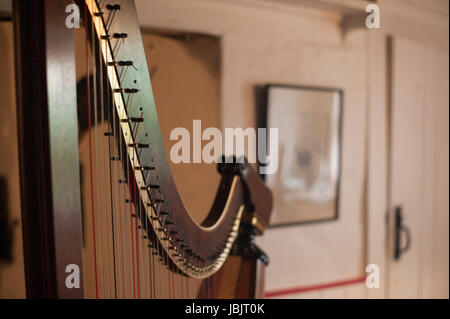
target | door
[{"x": 418, "y": 251}]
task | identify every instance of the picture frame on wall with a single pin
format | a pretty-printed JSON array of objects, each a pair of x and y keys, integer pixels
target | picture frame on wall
[{"x": 309, "y": 122}]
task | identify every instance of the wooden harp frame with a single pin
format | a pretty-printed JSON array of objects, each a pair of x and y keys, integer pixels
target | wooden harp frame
[{"x": 48, "y": 154}]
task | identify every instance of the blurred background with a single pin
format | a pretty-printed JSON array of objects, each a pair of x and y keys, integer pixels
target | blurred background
[{"x": 208, "y": 60}]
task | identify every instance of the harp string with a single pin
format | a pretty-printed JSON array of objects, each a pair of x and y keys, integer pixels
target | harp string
[
  {"x": 114, "y": 214},
  {"x": 88, "y": 90},
  {"x": 145, "y": 270},
  {"x": 156, "y": 256},
  {"x": 169, "y": 290},
  {"x": 125, "y": 229},
  {"x": 131, "y": 229},
  {"x": 170, "y": 275},
  {"x": 136, "y": 212},
  {"x": 145, "y": 259},
  {"x": 134, "y": 221},
  {"x": 118, "y": 200},
  {"x": 105, "y": 128},
  {"x": 100, "y": 204},
  {"x": 125, "y": 254}
]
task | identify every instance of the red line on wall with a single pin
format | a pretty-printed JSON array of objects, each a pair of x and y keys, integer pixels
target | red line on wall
[{"x": 296, "y": 290}]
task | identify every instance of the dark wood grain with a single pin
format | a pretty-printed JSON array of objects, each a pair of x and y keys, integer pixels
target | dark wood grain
[{"x": 48, "y": 146}]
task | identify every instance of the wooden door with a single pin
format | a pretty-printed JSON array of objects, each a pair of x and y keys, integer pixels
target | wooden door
[{"x": 418, "y": 171}]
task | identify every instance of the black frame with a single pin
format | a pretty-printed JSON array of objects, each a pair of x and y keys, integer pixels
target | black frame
[{"x": 261, "y": 94}]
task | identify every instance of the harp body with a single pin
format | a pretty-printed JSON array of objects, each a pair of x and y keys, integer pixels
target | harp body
[{"x": 167, "y": 249}]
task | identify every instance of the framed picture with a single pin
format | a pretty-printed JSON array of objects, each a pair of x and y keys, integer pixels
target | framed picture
[{"x": 306, "y": 184}]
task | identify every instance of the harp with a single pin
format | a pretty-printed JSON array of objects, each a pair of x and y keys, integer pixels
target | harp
[{"x": 143, "y": 243}]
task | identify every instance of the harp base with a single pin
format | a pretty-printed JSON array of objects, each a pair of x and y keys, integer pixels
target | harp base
[{"x": 242, "y": 274}]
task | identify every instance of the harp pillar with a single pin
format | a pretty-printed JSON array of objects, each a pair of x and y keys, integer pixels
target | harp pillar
[{"x": 48, "y": 147}]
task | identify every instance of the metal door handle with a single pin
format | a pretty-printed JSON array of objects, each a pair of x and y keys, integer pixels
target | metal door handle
[{"x": 400, "y": 228}]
